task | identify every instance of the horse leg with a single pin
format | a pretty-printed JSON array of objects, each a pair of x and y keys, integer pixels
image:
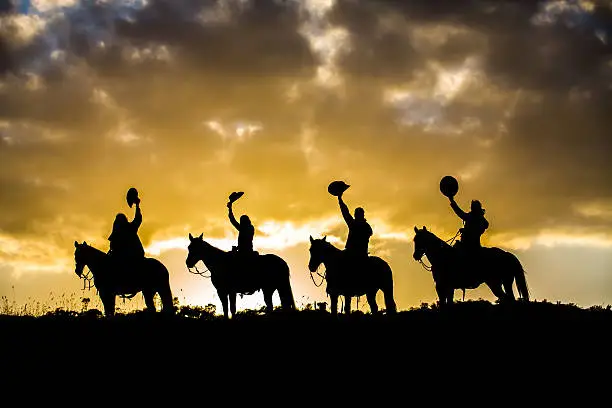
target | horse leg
[
  {"x": 148, "y": 295},
  {"x": 389, "y": 302},
  {"x": 232, "y": 303},
  {"x": 268, "y": 300},
  {"x": 223, "y": 297},
  {"x": 496, "y": 288},
  {"x": 108, "y": 301},
  {"x": 333, "y": 300},
  {"x": 165, "y": 293},
  {"x": 508, "y": 288},
  {"x": 347, "y": 305},
  {"x": 442, "y": 295},
  {"x": 372, "y": 302},
  {"x": 286, "y": 295}
]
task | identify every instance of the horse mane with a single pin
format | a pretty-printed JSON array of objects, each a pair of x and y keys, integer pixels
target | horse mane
[
  {"x": 433, "y": 236},
  {"x": 329, "y": 245},
  {"x": 95, "y": 251},
  {"x": 210, "y": 246}
]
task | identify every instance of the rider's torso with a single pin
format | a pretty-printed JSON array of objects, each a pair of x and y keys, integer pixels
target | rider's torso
[
  {"x": 126, "y": 243},
  {"x": 359, "y": 237},
  {"x": 245, "y": 238}
]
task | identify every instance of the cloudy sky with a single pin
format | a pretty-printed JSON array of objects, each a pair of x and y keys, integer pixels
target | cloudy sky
[{"x": 189, "y": 100}]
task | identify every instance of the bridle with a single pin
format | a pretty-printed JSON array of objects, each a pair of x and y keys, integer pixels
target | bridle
[{"x": 88, "y": 278}]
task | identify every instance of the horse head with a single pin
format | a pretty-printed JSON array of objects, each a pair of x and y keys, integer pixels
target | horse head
[
  {"x": 420, "y": 243},
  {"x": 194, "y": 250},
  {"x": 317, "y": 250},
  {"x": 80, "y": 257}
]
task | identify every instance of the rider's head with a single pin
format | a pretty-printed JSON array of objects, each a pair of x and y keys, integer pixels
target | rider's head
[
  {"x": 245, "y": 220},
  {"x": 477, "y": 207},
  {"x": 359, "y": 214},
  {"x": 120, "y": 221}
]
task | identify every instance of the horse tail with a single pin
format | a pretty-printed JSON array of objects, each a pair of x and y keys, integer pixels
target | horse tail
[
  {"x": 283, "y": 281},
  {"x": 288, "y": 296},
  {"x": 285, "y": 292},
  {"x": 385, "y": 276},
  {"x": 390, "y": 305},
  {"x": 162, "y": 285},
  {"x": 521, "y": 282}
]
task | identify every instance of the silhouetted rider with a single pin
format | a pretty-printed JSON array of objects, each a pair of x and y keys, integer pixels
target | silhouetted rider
[
  {"x": 125, "y": 245},
  {"x": 475, "y": 224},
  {"x": 246, "y": 231},
  {"x": 359, "y": 230}
]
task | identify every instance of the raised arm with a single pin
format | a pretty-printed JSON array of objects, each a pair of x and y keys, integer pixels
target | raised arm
[
  {"x": 232, "y": 219},
  {"x": 137, "y": 218},
  {"x": 460, "y": 213},
  {"x": 345, "y": 211}
]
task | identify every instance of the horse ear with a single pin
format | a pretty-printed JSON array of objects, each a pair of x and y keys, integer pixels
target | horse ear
[
  {"x": 311, "y": 240},
  {"x": 424, "y": 229},
  {"x": 416, "y": 229},
  {"x": 201, "y": 236},
  {"x": 84, "y": 243},
  {"x": 325, "y": 238},
  {"x": 190, "y": 237},
  {"x": 76, "y": 244}
]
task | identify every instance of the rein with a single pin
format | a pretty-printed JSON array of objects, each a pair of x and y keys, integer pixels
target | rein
[
  {"x": 452, "y": 240},
  {"x": 449, "y": 241},
  {"x": 202, "y": 273},
  {"x": 425, "y": 266},
  {"x": 88, "y": 282},
  {"x": 323, "y": 277}
]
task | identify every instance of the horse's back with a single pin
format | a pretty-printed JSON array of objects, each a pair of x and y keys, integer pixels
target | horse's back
[
  {"x": 498, "y": 253},
  {"x": 378, "y": 264},
  {"x": 156, "y": 267},
  {"x": 273, "y": 261}
]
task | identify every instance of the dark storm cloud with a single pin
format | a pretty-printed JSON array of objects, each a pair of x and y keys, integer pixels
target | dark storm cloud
[
  {"x": 555, "y": 147},
  {"x": 131, "y": 91}
]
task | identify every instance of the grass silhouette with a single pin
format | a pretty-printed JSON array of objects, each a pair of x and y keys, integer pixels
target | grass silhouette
[{"x": 473, "y": 339}]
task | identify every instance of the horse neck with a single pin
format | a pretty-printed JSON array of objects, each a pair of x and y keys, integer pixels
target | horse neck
[
  {"x": 211, "y": 256},
  {"x": 436, "y": 249},
  {"x": 331, "y": 255},
  {"x": 96, "y": 260}
]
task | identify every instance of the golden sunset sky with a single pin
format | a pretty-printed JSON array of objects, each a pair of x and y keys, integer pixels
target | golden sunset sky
[{"x": 190, "y": 100}]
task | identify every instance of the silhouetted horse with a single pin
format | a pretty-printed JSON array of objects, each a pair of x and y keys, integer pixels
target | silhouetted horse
[
  {"x": 267, "y": 272},
  {"x": 344, "y": 278},
  {"x": 151, "y": 279},
  {"x": 451, "y": 270}
]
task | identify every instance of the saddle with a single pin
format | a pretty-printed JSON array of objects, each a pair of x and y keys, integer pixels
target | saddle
[
  {"x": 354, "y": 272},
  {"x": 126, "y": 266},
  {"x": 244, "y": 271},
  {"x": 472, "y": 260}
]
